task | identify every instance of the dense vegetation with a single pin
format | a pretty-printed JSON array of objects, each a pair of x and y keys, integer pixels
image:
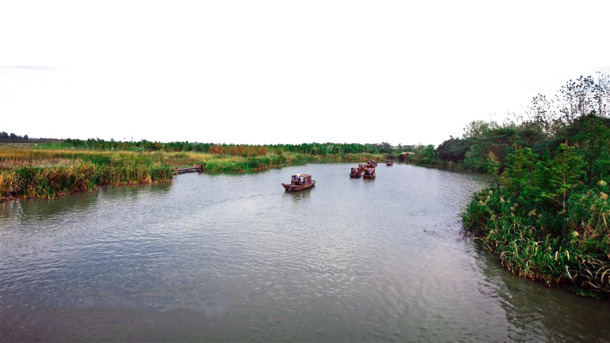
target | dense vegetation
[
  {"x": 56, "y": 168},
  {"x": 47, "y": 173},
  {"x": 319, "y": 149},
  {"x": 12, "y": 138},
  {"x": 546, "y": 213}
]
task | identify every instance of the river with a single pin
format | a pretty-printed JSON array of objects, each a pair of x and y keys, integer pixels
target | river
[{"x": 235, "y": 258}]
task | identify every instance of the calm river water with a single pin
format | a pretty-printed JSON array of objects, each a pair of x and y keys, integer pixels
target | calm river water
[{"x": 234, "y": 258}]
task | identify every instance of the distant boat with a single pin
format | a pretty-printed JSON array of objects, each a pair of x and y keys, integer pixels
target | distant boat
[
  {"x": 369, "y": 173},
  {"x": 389, "y": 163},
  {"x": 299, "y": 182},
  {"x": 355, "y": 173},
  {"x": 371, "y": 164}
]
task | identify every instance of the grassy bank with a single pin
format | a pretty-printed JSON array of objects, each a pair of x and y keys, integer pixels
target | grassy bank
[
  {"x": 33, "y": 173},
  {"x": 29, "y": 172},
  {"x": 238, "y": 164},
  {"x": 570, "y": 248}
]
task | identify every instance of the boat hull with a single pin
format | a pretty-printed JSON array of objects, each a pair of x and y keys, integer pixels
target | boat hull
[{"x": 296, "y": 188}]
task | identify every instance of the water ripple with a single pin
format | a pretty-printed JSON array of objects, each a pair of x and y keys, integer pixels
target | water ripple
[{"x": 234, "y": 258}]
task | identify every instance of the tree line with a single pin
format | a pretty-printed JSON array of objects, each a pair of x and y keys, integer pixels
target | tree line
[
  {"x": 581, "y": 107},
  {"x": 321, "y": 149},
  {"x": 12, "y": 138}
]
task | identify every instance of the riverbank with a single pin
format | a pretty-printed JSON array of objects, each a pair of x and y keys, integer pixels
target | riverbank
[
  {"x": 546, "y": 218},
  {"x": 570, "y": 248},
  {"x": 29, "y": 172}
]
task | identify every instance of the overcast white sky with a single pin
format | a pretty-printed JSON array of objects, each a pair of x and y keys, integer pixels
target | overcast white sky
[{"x": 262, "y": 72}]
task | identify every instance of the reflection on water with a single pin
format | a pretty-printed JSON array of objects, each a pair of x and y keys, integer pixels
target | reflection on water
[
  {"x": 35, "y": 209},
  {"x": 234, "y": 258},
  {"x": 30, "y": 209},
  {"x": 299, "y": 195},
  {"x": 551, "y": 314}
]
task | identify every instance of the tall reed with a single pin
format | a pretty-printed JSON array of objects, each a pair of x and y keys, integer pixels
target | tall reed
[
  {"x": 49, "y": 182},
  {"x": 571, "y": 248}
]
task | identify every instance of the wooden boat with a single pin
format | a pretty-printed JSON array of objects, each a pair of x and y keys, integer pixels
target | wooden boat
[
  {"x": 299, "y": 182},
  {"x": 369, "y": 173},
  {"x": 371, "y": 164},
  {"x": 389, "y": 163},
  {"x": 355, "y": 173},
  {"x": 195, "y": 168},
  {"x": 361, "y": 167}
]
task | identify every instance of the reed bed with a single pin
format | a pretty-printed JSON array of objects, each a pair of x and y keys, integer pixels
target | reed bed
[
  {"x": 49, "y": 182},
  {"x": 239, "y": 164},
  {"x": 555, "y": 248},
  {"x": 34, "y": 173},
  {"x": 47, "y": 173}
]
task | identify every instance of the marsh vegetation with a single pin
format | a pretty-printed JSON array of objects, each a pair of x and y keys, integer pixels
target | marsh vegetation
[{"x": 52, "y": 169}]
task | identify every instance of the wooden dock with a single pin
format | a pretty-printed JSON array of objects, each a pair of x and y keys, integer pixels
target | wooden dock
[{"x": 193, "y": 169}]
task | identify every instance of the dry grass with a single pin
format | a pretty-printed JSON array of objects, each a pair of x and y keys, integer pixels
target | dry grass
[{"x": 12, "y": 157}]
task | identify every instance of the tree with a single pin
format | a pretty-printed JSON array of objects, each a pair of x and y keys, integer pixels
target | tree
[
  {"x": 385, "y": 148},
  {"x": 601, "y": 94},
  {"x": 454, "y": 149},
  {"x": 476, "y": 158},
  {"x": 517, "y": 176},
  {"x": 575, "y": 98},
  {"x": 493, "y": 168},
  {"x": 476, "y": 128},
  {"x": 541, "y": 113},
  {"x": 566, "y": 172},
  {"x": 593, "y": 138}
]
